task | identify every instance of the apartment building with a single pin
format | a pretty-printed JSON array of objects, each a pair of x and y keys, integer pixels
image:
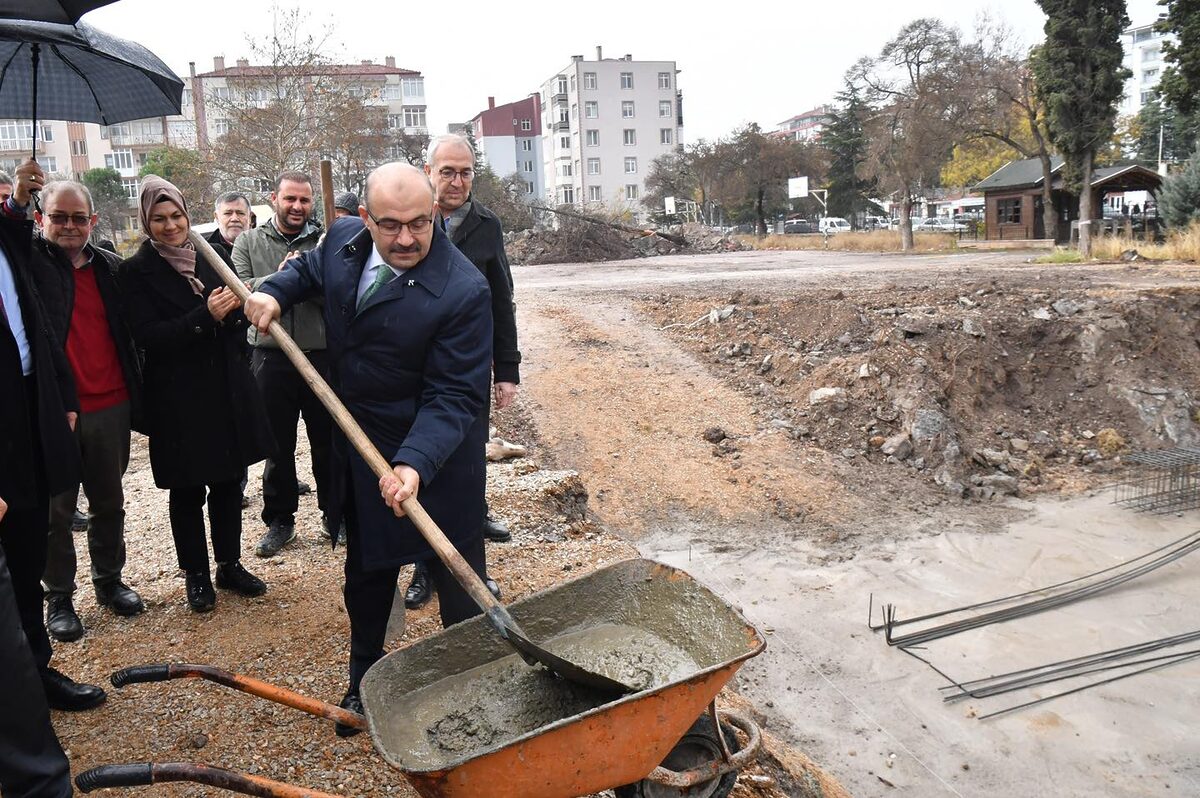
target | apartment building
[
  {"x": 68, "y": 149},
  {"x": 1143, "y": 57},
  {"x": 807, "y": 126},
  {"x": 509, "y": 138},
  {"x": 604, "y": 122}
]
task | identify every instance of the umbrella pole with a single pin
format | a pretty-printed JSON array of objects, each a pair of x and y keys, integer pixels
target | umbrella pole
[{"x": 35, "y": 56}]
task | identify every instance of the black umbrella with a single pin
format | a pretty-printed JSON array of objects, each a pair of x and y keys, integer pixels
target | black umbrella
[
  {"x": 62, "y": 11},
  {"x": 84, "y": 74}
]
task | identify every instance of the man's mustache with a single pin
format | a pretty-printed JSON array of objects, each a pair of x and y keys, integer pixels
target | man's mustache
[{"x": 410, "y": 249}]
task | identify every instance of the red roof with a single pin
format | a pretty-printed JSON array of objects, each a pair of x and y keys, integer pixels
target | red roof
[
  {"x": 503, "y": 120},
  {"x": 330, "y": 69}
]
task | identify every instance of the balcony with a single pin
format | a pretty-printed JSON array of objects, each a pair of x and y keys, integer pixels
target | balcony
[
  {"x": 561, "y": 99},
  {"x": 562, "y": 125},
  {"x": 135, "y": 139}
]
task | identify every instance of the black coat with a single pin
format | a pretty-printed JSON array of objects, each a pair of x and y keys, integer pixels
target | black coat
[
  {"x": 55, "y": 280},
  {"x": 19, "y": 482},
  {"x": 481, "y": 238},
  {"x": 412, "y": 367},
  {"x": 203, "y": 413}
]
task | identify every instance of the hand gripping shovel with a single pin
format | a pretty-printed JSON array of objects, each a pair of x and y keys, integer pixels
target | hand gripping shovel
[{"x": 496, "y": 612}]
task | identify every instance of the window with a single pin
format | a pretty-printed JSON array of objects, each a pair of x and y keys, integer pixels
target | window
[
  {"x": 391, "y": 92},
  {"x": 1008, "y": 211},
  {"x": 664, "y": 80},
  {"x": 666, "y": 135},
  {"x": 527, "y": 166},
  {"x": 589, "y": 80},
  {"x": 626, "y": 80},
  {"x": 627, "y": 109},
  {"x": 220, "y": 126},
  {"x": 413, "y": 87},
  {"x": 631, "y": 166},
  {"x": 630, "y": 137},
  {"x": 221, "y": 93},
  {"x": 49, "y": 164},
  {"x": 395, "y": 121},
  {"x": 16, "y": 135},
  {"x": 564, "y": 142},
  {"x": 565, "y": 170},
  {"x": 1149, "y": 75},
  {"x": 182, "y": 130},
  {"x": 131, "y": 187},
  {"x": 562, "y": 84},
  {"x": 119, "y": 159},
  {"x": 591, "y": 109},
  {"x": 572, "y": 83},
  {"x": 574, "y": 111},
  {"x": 593, "y": 166},
  {"x": 631, "y": 191},
  {"x": 47, "y": 135},
  {"x": 595, "y": 193},
  {"x": 1147, "y": 96},
  {"x": 562, "y": 115},
  {"x": 79, "y": 147},
  {"x": 526, "y": 124},
  {"x": 566, "y": 195},
  {"x": 414, "y": 117},
  {"x": 1150, "y": 54},
  {"x": 593, "y": 138},
  {"x": 527, "y": 145},
  {"x": 529, "y": 188},
  {"x": 664, "y": 108}
]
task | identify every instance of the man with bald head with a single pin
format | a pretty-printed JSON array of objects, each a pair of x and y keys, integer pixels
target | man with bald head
[{"x": 408, "y": 323}]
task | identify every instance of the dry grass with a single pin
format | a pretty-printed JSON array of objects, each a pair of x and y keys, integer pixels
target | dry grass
[
  {"x": 1180, "y": 245},
  {"x": 872, "y": 241}
]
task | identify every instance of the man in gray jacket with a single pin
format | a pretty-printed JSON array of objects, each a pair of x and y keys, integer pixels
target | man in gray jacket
[{"x": 257, "y": 254}]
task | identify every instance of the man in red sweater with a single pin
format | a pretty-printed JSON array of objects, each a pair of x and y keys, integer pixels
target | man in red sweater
[{"x": 78, "y": 287}]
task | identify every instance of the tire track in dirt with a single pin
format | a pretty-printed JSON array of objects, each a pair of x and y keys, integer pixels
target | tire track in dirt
[{"x": 618, "y": 401}]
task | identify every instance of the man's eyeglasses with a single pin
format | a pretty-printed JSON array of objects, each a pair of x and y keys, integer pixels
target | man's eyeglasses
[
  {"x": 77, "y": 219},
  {"x": 449, "y": 174},
  {"x": 392, "y": 227}
]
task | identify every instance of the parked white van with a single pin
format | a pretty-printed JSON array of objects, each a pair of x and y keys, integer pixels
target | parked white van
[{"x": 833, "y": 224}]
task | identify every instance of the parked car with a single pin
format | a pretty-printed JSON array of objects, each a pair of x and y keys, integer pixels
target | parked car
[
  {"x": 938, "y": 225},
  {"x": 833, "y": 224},
  {"x": 799, "y": 226}
]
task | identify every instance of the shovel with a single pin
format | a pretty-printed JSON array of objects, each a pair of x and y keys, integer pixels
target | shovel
[{"x": 497, "y": 614}]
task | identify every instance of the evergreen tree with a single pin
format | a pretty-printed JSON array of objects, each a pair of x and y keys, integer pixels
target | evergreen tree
[
  {"x": 1152, "y": 120},
  {"x": 1179, "y": 199},
  {"x": 846, "y": 141},
  {"x": 1080, "y": 78},
  {"x": 1179, "y": 86}
]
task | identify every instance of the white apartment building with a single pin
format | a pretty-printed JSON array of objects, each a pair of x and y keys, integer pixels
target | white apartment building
[
  {"x": 1143, "y": 57},
  {"x": 68, "y": 149},
  {"x": 603, "y": 123}
]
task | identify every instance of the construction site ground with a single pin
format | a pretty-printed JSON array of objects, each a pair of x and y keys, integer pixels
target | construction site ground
[{"x": 798, "y": 430}]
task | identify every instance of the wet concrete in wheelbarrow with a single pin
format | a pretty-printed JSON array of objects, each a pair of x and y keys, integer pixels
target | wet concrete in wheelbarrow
[{"x": 461, "y": 716}]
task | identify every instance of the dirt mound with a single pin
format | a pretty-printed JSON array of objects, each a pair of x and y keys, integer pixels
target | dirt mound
[
  {"x": 983, "y": 389},
  {"x": 579, "y": 241}
]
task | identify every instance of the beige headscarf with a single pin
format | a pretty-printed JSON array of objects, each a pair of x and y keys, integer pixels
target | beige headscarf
[{"x": 183, "y": 259}]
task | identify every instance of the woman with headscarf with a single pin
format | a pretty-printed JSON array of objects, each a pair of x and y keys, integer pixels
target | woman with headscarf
[{"x": 203, "y": 414}]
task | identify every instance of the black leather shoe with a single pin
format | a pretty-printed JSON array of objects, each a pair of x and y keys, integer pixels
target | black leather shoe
[
  {"x": 232, "y": 576},
  {"x": 495, "y": 530},
  {"x": 341, "y": 533},
  {"x": 492, "y": 586},
  {"x": 200, "y": 594},
  {"x": 302, "y": 488},
  {"x": 66, "y": 694},
  {"x": 419, "y": 590},
  {"x": 352, "y": 702},
  {"x": 61, "y": 621},
  {"x": 79, "y": 522},
  {"x": 279, "y": 534},
  {"x": 119, "y": 597}
]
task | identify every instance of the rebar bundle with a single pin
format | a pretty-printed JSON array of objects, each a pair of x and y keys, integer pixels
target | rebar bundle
[{"x": 1166, "y": 481}]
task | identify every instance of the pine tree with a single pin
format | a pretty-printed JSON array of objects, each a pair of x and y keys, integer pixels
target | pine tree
[
  {"x": 1179, "y": 86},
  {"x": 1080, "y": 79},
  {"x": 1179, "y": 199},
  {"x": 846, "y": 142}
]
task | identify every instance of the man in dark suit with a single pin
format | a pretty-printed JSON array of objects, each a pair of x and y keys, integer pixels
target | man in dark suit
[
  {"x": 408, "y": 324},
  {"x": 38, "y": 453},
  {"x": 477, "y": 233},
  {"x": 231, "y": 212}
]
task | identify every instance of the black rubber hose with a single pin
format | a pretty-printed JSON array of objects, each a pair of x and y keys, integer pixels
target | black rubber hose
[
  {"x": 136, "y": 775},
  {"x": 140, "y": 674}
]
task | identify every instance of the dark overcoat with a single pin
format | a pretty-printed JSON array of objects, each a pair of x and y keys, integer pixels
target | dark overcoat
[
  {"x": 55, "y": 279},
  {"x": 413, "y": 368},
  {"x": 19, "y": 485},
  {"x": 203, "y": 413},
  {"x": 481, "y": 238}
]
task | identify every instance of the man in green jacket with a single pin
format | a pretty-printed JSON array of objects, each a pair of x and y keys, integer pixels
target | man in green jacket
[{"x": 257, "y": 254}]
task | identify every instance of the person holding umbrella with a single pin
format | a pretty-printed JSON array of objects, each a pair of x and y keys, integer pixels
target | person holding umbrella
[{"x": 190, "y": 327}]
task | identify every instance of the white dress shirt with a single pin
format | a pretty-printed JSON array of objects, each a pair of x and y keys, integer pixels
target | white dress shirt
[
  {"x": 368, "y": 273},
  {"x": 12, "y": 313}
]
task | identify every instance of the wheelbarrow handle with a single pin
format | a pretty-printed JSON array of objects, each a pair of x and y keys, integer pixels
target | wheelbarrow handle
[
  {"x": 245, "y": 684},
  {"x": 146, "y": 773},
  {"x": 437, "y": 540}
]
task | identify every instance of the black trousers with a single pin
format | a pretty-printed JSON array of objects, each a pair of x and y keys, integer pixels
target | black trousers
[
  {"x": 224, "y": 516},
  {"x": 32, "y": 763},
  {"x": 287, "y": 397},
  {"x": 369, "y": 596}
]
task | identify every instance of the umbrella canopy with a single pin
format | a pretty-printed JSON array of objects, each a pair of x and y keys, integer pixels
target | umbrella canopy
[
  {"x": 65, "y": 12},
  {"x": 82, "y": 75}
]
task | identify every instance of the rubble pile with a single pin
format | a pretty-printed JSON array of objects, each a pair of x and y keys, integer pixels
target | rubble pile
[
  {"x": 577, "y": 241},
  {"x": 985, "y": 391}
]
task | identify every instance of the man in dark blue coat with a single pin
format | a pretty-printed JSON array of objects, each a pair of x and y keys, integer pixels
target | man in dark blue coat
[{"x": 408, "y": 325}]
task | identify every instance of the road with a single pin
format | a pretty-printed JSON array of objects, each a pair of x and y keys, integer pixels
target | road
[{"x": 618, "y": 400}]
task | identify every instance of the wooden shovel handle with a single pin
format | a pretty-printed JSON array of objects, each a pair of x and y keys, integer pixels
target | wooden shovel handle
[{"x": 429, "y": 530}]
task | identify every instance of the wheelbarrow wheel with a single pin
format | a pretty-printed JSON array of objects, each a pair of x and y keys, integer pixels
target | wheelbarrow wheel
[{"x": 698, "y": 746}]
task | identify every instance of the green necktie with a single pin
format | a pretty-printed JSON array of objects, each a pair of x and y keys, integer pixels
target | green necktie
[{"x": 382, "y": 275}]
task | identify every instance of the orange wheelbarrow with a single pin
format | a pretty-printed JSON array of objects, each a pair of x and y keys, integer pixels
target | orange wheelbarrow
[{"x": 461, "y": 716}]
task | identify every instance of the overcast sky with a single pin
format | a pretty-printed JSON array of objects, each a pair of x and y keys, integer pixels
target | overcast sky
[{"x": 761, "y": 62}]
